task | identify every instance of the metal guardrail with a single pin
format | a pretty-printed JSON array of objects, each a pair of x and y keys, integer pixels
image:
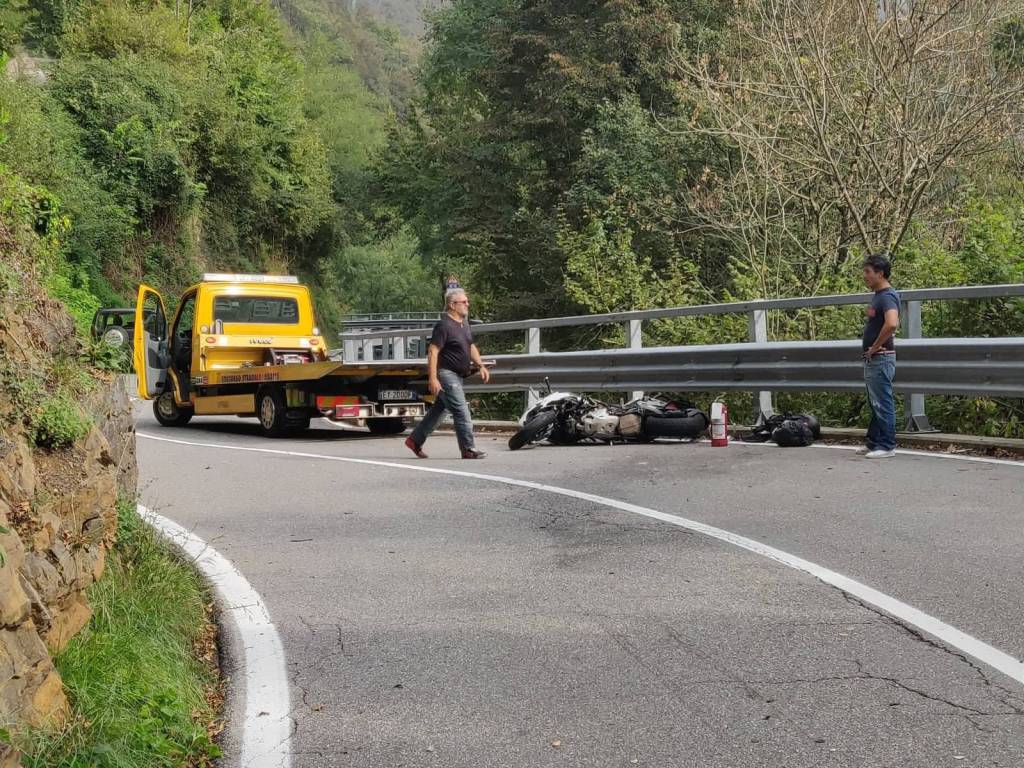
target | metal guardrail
[
  {"x": 974, "y": 367},
  {"x": 358, "y": 318},
  {"x": 757, "y": 321},
  {"x": 964, "y": 293}
]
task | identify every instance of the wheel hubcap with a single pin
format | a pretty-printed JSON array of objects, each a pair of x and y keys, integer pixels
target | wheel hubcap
[{"x": 267, "y": 412}]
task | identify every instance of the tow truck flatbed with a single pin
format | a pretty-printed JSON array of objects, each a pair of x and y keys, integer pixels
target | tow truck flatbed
[{"x": 309, "y": 372}]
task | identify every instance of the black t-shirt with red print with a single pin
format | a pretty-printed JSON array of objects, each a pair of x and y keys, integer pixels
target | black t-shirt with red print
[{"x": 881, "y": 302}]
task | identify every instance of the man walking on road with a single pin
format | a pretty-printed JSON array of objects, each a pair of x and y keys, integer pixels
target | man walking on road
[
  {"x": 451, "y": 356},
  {"x": 880, "y": 358}
]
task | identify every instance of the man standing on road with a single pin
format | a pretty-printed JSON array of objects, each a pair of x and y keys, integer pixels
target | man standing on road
[
  {"x": 880, "y": 358},
  {"x": 451, "y": 356}
]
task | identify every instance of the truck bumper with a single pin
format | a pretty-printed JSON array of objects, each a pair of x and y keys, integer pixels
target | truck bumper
[{"x": 343, "y": 408}]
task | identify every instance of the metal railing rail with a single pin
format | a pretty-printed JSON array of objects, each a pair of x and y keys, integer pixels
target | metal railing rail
[
  {"x": 979, "y": 367},
  {"x": 364, "y": 317},
  {"x": 964, "y": 293},
  {"x": 757, "y": 322}
]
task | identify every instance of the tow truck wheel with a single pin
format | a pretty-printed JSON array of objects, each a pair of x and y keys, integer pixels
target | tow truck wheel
[
  {"x": 270, "y": 409},
  {"x": 392, "y": 425},
  {"x": 168, "y": 413}
]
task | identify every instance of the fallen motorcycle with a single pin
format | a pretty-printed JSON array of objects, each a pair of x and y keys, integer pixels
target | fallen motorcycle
[{"x": 566, "y": 418}]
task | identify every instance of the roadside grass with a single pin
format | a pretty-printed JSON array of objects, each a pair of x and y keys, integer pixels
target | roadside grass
[{"x": 141, "y": 677}]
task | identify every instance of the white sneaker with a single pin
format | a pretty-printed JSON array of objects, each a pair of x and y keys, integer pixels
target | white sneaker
[
  {"x": 864, "y": 450},
  {"x": 879, "y": 454}
]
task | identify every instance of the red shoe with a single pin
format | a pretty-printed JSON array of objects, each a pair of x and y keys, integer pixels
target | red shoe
[{"x": 417, "y": 449}]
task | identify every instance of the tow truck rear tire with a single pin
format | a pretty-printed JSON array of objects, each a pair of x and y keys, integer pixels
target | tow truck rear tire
[
  {"x": 168, "y": 413},
  {"x": 391, "y": 425},
  {"x": 271, "y": 410}
]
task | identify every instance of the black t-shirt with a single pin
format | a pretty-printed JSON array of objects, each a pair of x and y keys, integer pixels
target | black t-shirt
[
  {"x": 453, "y": 339},
  {"x": 881, "y": 302}
]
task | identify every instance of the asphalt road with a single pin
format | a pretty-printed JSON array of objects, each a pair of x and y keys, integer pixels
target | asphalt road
[{"x": 432, "y": 620}]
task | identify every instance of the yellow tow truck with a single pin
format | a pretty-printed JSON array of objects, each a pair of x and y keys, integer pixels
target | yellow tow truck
[{"x": 248, "y": 345}]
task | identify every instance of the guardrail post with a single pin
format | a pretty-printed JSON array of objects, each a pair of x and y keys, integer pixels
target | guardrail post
[
  {"x": 917, "y": 420},
  {"x": 532, "y": 348},
  {"x": 757, "y": 331},
  {"x": 635, "y": 331}
]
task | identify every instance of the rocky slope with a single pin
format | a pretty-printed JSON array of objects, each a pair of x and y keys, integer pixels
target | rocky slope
[{"x": 59, "y": 508}]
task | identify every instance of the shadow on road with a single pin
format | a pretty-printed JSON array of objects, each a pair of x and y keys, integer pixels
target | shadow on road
[{"x": 252, "y": 429}]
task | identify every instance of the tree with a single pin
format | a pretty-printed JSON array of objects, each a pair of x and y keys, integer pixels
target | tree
[
  {"x": 847, "y": 122},
  {"x": 540, "y": 122}
]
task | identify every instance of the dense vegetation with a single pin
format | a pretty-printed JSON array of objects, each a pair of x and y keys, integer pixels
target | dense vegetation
[
  {"x": 173, "y": 140},
  {"x": 560, "y": 155},
  {"x": 580, "y": 155}
]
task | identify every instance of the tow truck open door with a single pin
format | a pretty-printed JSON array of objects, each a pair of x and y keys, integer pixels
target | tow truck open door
[{"x": 151, "y": 355}]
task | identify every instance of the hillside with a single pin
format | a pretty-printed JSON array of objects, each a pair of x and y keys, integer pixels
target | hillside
[
  {"x": 407, "y": 15},
  {"x": 239, "y": 137}
]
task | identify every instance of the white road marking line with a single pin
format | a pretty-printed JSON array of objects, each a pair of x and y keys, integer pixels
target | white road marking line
[
  {"x": 839, "y": 447},
  {"x": 905, "y": 613},
  {"x": 266, "y": 731},
  {"x": 899, "y": 451}
]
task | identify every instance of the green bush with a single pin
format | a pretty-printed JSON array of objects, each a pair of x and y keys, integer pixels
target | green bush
[
  {"x": 101, "y": 355},
  {"x": 137, "y": 688},
  {"x": 59, "y": 422}
]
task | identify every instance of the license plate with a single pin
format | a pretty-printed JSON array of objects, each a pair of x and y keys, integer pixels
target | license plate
[{"x": 397, "y": 394}]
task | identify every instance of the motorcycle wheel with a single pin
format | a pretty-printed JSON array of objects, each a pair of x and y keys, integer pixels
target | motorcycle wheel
[
  {"x": 688, "y": 427},
  {"x": 532, "y": 431}
]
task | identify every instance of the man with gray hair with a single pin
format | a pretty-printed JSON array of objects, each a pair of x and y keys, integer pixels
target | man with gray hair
[{"x": 451, "y": 357}]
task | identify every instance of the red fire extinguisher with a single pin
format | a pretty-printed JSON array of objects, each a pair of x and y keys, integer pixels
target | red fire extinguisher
[{"x": 719, "y": 424}]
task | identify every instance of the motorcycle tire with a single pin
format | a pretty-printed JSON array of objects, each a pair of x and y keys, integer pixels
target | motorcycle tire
[
  {"x": 533, "y": 431},
  {"x": 683, "y": 427}
]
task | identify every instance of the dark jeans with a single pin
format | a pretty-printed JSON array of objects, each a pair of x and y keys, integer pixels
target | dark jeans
[
  {"x": 879, "y": 372},
  {"x": 451, "y": 398}
]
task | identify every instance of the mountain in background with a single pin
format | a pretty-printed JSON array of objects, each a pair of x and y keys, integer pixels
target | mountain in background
[{"x": 407, "y": 15}]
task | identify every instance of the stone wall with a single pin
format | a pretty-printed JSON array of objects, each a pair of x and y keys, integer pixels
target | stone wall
[{"x": 60, "y": 508}]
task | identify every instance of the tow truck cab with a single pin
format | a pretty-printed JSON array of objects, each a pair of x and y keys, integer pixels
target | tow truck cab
[{"x": 248, "y": 345}]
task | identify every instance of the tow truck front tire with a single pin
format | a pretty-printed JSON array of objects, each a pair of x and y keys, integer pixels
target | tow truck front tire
[
  {"x": 390, "y": 425},
  {"x": 168, "y": 413}
]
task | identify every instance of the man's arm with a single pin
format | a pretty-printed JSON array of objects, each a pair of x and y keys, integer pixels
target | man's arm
[
  {"x": 474, "y": 355},
  {"x": 892, "y": 322},
  {"x": 433, "y": 382}
]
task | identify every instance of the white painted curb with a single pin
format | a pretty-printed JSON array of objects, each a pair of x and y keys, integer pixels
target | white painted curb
[{"x": 266, "y": 728}]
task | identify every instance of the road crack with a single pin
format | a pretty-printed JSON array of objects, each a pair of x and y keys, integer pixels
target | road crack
[{"x": 1004, "y": 695}]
